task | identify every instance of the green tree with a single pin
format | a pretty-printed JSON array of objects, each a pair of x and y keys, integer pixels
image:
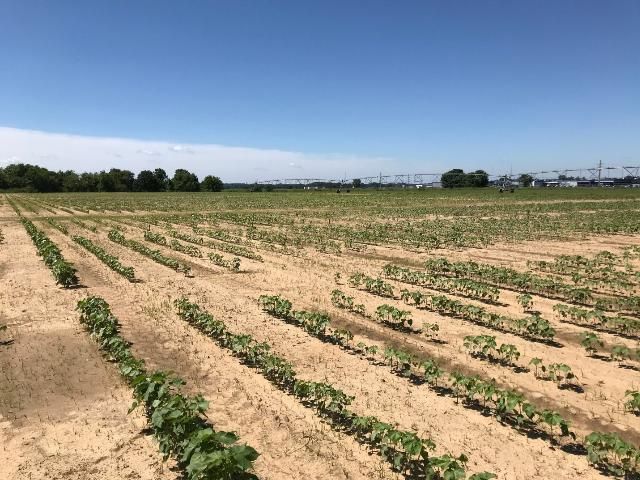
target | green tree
[
  {"x": 453, "y": 178},
  {"x": 146, "y": 181},
  {"x": 211, "y": 184},
  {"x": 479, "y": 178},
  {"x": 184, "y": 181},
  {"x": 525, "y": 180},
  {"x": 162, "y": 179},
  {"x": 122, "y": 180},
  {"x": 357, "y": 183},
  {"x": 70, "y": 181}
]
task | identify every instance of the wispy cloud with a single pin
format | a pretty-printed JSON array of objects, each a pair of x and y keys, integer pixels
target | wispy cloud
[{"x": 86, "y": 153}]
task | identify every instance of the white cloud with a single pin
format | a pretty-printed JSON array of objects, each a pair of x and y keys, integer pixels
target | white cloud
[
  {"x": 144, "y": 152},
  {"x": 180, "y": 148},
  {"x": 84, "y": 153}
]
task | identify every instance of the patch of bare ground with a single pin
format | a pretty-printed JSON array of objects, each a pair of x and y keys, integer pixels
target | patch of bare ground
[{"x": 63, "y": 408}]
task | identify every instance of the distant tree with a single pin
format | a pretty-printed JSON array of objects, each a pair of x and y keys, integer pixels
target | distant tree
[
  {"x": 357, "y": 183},
  {"x": 479, "y": 178},
  {"x": 105, "y": 182},
  {"x": 122, "y": 180},
  {"x": 255, "y": 188},
  {"x": 211, "y": 184},
  {"x": 89, "y": 182},
  {"x": 70, "y": 181},
  {"x": 454, "y": 178},
  {"x": 184, "y": 181},
  {"x": 457, "y": 178},
  {"x": 525, "y": 180},
  {"x": 146, "y": 181},
  {"x": 162, "y": 179}
]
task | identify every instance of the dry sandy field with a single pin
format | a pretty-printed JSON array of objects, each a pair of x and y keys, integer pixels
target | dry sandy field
[{"x": 425, "y": 334}]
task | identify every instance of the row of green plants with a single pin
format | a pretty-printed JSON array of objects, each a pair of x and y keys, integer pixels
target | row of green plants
[
  {"x": 386, "y": 314},
  {"x": 606, "y": 451},
  {"x": 396, "y": 218},
  {"x": 408, "y": 453},
  {"x": 480, "y": 346},
  {"x": 232, "y": 248},
  {"x": 155, "y": 255},
  {"x": 532, "y": 327},
  {"x": 85, "y": 225},
  {"x": 179, "y": 422},
  {"x": 559, "y": 373},
  {"x": 110, "y": 260},
  {"x": 603, "y": 260},
  {"x": 457, "y": 286},
  {"x": 63, "y": 271},
  {"x": 160, "y": 239},
  {"x": 598, "y": 320},
  {"x": 216, "y": 258},
  {"x": 233, "y": 264},
  {"x": 57, "y": 225},
  {"x": 505, "y": 404},
  {"x": 486, "y": 348},
  {"x": 613, "y": 455},
  {"x": 592, "y": 343},
  {"x": 597, "y": 273},
  {"x": 377, "y": 286},
  {"x": 527, "y": 282}
]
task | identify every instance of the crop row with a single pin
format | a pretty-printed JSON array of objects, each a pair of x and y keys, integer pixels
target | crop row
[
  {"x": 178, "y": 421},
  {"x": 506, "y": 403},
  {"x": 529, "y": 283},
  {"x": 84, "y": 225},
  {"x": 63, "y": 271},
  {"x": 233, "y": 264},
  {"x": 159, "y": 239},
  {"x": 408, "y": 453},
  {"x": 481, "y": 346},
  {"x": 607, "y": 451},
  {"x": 155, "y": 255},
  {"x": 386, "y": 314},
  {"x": 582, "y": 271},
  {"x": 224, "y": 247},
  {"x": 110, "y": 260},
  {"x": 58, "y": 225},
  {"x": 598, "y": 320},
  {"x": 457, "y": 286},
  {"x": 533, "y": 327}
]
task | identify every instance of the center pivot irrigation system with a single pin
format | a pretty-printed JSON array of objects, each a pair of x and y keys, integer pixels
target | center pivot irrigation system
[{"x": 598, "y": 174}]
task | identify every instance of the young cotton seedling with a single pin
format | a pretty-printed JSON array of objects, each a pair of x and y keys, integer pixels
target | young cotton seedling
[{"x": 526, "y": 302}]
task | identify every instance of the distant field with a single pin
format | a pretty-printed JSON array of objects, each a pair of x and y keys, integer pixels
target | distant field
[{"x": 363, "y": 335}]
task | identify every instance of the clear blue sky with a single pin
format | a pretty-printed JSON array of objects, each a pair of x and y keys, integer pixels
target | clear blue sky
[{"x": 476, "y": 83}]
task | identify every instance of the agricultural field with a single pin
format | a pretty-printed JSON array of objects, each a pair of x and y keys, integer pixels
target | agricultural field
[{"x": 424, "y": 334}]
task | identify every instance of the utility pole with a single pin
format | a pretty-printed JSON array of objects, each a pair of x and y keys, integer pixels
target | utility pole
[
  {"x": 599, "y": 172},
  {"x": 380, "y": 182}
]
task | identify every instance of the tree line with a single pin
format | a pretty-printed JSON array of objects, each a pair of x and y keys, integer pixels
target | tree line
[{"x": 32, "y": 178}]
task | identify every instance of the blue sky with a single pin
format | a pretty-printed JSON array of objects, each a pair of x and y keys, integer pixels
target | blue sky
[{"x": 342, "y": 86}]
